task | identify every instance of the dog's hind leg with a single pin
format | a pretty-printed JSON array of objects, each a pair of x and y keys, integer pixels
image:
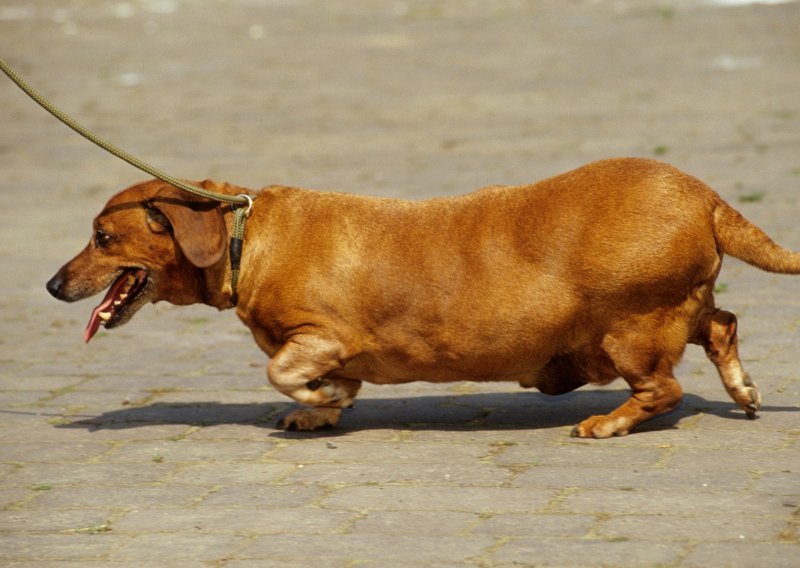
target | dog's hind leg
[
  {"x": 652, "y": 395},
  {"x": 716, "y": 332},
  {"x": 644, "y": 355},
  {"x": 301, "y": 369}
]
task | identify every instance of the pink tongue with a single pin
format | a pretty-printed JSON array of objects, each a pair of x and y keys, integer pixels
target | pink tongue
[{"x": 105, "y": 305}]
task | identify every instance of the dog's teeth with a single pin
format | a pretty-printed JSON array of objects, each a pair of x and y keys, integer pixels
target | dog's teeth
[
  {"x": 122, "y": 296},
  {"x": 131, "y": 279},
  {"x": 105, "y": 316},
  {"x": 117, "y": 303}
]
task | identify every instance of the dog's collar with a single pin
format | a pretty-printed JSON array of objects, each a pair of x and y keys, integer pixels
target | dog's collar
[{"x": 240, "y": 215}]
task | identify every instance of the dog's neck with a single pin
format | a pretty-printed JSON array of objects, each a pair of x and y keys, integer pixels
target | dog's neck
[{"x": 216, "y": 287}]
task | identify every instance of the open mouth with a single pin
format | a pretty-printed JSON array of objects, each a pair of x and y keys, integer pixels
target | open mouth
[{"x": 125, "y": 289}]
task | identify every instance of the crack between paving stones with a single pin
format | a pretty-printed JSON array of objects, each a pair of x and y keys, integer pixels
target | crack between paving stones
[
  {"x": 484, "y": 560},
  {"x": 560, "y": 496}
]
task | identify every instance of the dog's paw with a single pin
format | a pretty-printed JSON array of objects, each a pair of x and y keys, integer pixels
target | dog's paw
[
  {"x": 751, "y": 402},
  {"x": 600, "y": 427},
  {"x": 307, "y": 419},
  {"x": 747, "y": 396}
]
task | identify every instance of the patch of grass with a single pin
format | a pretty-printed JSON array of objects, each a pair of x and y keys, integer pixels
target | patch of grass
[
  {"x": 720, "y": 288},
  {"x": 661, "y": 150},
  {"x": 618, "y": 539},
  {"x": 42, "y": 487},
  {"x": 151, "y": 395},
  {"x": 93, "y": 529},
  {"x": 753, "y": 197},
  {"x": 783, "y": 114},
  {"x": 59, "y": 421},
  {"x": 503, "y": 444},
  {"x": 667, "y": 13},
  {"x": 158, "y": 459}
]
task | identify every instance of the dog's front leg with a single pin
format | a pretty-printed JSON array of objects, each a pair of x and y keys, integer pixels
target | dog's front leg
[{"x": 301, "y": 369}]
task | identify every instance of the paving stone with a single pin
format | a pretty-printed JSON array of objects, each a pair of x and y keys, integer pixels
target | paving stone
[
  {"x": 46, "y": 383},
  {"x": 46, "y": 547},
  {"x": 772, "y": 555},
  {"x": 560, "y": 552},
  {"x": 185, "y": 451},
  {"x": 76, "y": 521},
  {"x": 689, "y": 436},
  {"x": 59, "y": 474},
  {"x": 751, "y": 460},
  {"x": 264, "y": 496},
  {"x": 24, "y": 399},
  {"x": 428, "y": 523},
  {"x": 421, "y": 548},
  {"x": 582, "y": 455},
  {"x": 58, "y": 563},
  {"x": 156, "y": 548},
  {"x": 383, "y": 563},
  {"x": 370, "y": 452},
  {"x": 705, "y": 528},
  {"x": 6, "y": 468},
  {"x": 478, "y": 474},
  {"x": 10, "y": 495},
  {"x": 259, "y": 432},
  {"x": 232, "y": 473},
  {"x": 778, "y": 483},
  {"x": 90, "y": 401},
  {"x": 120, "y": 496},
  {"x": 495, "y": 437},
  {"x": 673, "y": 502},
  {"x": 627, "y": 478},
  {"x": 253, "y": 382},
  {"x": 80, "y": 430},
  {"x": 538, "y": 525},
  {"x": 432, "y": 498},
  {"x": 288, "y": 563},
  {"x": 240, "y": 519},
  {"x": 48, "y": 452}
]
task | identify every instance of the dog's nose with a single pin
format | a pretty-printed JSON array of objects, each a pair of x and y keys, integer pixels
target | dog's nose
[{"x": 55, "y": 285}]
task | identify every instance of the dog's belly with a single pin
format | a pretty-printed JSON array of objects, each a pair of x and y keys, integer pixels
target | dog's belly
[
  {"x": 551, "y": 375},
  {"x": 394, "y": 365}
]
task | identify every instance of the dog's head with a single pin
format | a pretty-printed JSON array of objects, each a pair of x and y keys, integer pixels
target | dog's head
[{"x": 149, "y": 243}]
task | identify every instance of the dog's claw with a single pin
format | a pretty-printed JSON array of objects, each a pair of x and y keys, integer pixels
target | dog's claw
[
  {"x": 284, "y": 424},
  {"x": 307, "y": 419}
]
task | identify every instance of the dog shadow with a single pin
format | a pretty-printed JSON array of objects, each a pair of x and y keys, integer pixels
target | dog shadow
[{"x": 482, "y": 411}]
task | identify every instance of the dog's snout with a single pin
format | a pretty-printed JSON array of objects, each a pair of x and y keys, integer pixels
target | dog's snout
[{"x": 56, "y": 286}]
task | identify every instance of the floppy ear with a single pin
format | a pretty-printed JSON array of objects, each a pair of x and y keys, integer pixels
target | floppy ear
[{"x": 196, "y": 223}]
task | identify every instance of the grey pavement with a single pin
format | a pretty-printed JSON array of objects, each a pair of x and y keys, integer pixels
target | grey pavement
[{"x": 155, "y": 445}]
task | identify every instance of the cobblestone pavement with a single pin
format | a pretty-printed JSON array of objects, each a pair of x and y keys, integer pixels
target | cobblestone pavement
[{"x": 155, "y": 445}]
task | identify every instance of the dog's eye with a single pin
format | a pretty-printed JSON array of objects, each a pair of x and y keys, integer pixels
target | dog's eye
[{"x": 101, "y": 239}]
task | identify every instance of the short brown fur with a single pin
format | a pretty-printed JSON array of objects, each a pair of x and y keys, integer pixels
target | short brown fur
[{"x": 606, "y": 271}]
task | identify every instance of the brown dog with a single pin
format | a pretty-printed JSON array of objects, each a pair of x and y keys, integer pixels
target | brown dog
[{"x": 602, "y": 272}]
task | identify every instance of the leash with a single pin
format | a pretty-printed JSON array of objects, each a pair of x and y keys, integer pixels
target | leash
[{"x": 244, "y": 202}]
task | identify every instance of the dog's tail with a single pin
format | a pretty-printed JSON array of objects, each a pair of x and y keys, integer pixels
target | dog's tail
[{"x": 740, "y": 238}]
